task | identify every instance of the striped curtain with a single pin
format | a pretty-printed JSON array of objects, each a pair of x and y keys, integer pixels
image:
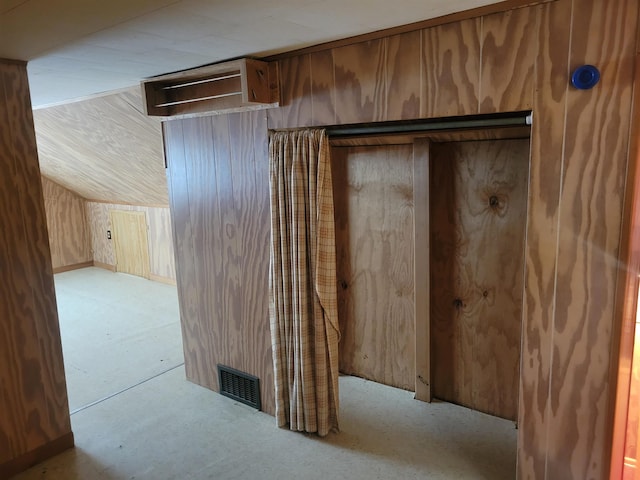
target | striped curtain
[{"x": 302, "y": 280}]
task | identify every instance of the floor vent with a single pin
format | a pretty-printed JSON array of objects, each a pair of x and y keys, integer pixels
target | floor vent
[{"x": 240, "y": 386}]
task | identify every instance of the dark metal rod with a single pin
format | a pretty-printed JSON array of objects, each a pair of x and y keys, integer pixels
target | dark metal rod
[{"x": 384, "y": 128}]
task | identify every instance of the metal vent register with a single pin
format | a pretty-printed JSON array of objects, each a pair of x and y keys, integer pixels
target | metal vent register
[{"x": 240, "y": 386}]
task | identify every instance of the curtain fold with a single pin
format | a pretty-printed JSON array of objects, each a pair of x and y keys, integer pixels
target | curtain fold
[{"x": 302, "y": 281}]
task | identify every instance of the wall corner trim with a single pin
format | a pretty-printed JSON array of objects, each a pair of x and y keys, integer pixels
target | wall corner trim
[{"x": 29, "y": 459}]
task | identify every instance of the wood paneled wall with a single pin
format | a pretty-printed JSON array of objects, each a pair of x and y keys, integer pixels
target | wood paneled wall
[
  {"x": 520, "y": 59},
  {"x": 219, "y": 192},
  {"x": 161, "y": 255},
  {"x": 375, "y": 255},
  {"x": 67, "y": 225},
  {"x": 34, "y": 419},
  {"x": 478, "y": 217}
]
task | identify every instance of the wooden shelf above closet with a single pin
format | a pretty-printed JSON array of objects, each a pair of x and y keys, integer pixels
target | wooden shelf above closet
[{"x": 238, "y": 85}]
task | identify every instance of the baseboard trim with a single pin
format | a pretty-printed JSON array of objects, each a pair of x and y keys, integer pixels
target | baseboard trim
[
  {"x": 106, "y": 266},
  {"x": 40, "y": 454},
  {"x": 161, "y": 279},
  {"x": 75, "y": 266}
]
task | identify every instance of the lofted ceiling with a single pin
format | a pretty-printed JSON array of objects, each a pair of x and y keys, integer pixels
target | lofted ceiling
[
  {"x": 102, "y": 146},
  {"x": 104, "y": 149}
]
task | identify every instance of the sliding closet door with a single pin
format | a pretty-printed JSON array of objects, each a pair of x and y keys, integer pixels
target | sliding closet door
[{"x": 374, "y": 239}]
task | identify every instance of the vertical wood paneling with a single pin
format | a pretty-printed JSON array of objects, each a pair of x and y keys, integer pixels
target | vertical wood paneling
[
  {"x": 219, "y": 183},
  {"x": 403, "y": 76},
  {"x": 34, "y": 398},
  {"x": 421, "y": 221},
  {"x": 201, "y": 166},
  {"x": 295, "y": 95},
  {"x": 160, "y": 242},
  {"x": 542, "y": 236},
  {"x": 523, "y": 64},
  {"x": 361, "y": 82},
  {"x": 99, "y": 222},
  {"x": 478, "y": 210},
  {"x": 451, "y": 69},
  {"x": 189, "y": 288},
  {"x": 595, "y": 159},
  {"x": 509, "y": 49},
  {"x": 374, "y": 243},
  {"x": 251, "y": 198},
  {"x": 229, "y": 165},
  {"x": 67, "y": 225},
  {"x": 161, "y": 256},
  {"x": 323, "y": 88},
  {"x": 257, "y": 269}
]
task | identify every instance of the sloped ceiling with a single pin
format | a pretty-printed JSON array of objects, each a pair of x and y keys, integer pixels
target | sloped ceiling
[{"x": 104, "y": 149}]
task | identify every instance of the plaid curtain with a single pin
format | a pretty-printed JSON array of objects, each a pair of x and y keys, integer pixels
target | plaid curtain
[{"x": 302, "y": 280}]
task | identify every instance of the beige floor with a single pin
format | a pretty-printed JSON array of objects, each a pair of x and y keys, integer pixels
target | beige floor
[{"x": 140, "y": 419}]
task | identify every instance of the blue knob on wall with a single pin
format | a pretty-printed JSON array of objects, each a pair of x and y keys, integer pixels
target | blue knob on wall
[{"x": 585, "y": 77}]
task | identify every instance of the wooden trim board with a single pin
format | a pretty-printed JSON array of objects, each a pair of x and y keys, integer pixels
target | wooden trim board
[
  {"x": 161, "y": 279},
  {"x": 106, "y": 266},
  {"x": 421, "y": 268},
  {"x": 29, "y": 459},
  {"x": 626, "y": 302},
  {"x": 76, "y": 266}
]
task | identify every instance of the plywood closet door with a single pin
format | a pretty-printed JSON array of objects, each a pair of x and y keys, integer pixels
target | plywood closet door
[
  {"x": 131, "y": 245},
  {"x": 374, "y": 240},
  {"x": 478, "y": 215}
]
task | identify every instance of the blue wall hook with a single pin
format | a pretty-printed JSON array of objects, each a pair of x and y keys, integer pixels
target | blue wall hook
[{"x": 585, "y": 77}]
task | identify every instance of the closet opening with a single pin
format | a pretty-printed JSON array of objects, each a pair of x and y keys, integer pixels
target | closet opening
[{"x": 430, "y": 238}]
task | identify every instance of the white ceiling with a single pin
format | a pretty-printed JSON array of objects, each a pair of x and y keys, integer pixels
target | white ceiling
[{"x": 78, "y": 48}]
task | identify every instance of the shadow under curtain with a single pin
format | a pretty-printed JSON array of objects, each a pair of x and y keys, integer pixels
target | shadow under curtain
[{"x": 302, "y": 280}]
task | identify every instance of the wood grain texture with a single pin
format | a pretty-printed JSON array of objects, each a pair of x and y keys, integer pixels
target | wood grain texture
[
  {"x": 509, "y": 50},
  {"x": 451, "y": 69},
  {"x": 34, "y": 398},
  {"x": 104, "y": 149},
  {"x": 361, "y": 82},
  {"x": 547, "y": 137},
  {"x": 375, "y": 252},
  {"x": 632, "y": 446},
  {"x": 323, "y": 88},
  {"x": 222, "y": 240},
  {"x": 478, "y": 207},
  {"x": 527, "y": 57},
  {"x": 591, "y": 204},
  {"x": 295, "y": 96},
  {"x": 421, "y": 270},
  {"x": 188, "y": 289},
  {"x": 162, "y": 262},
  {"x": 37, "y": 455},
  {"x": 130, "y": 242},
  {"x": 626, "y": 302},
  {"x": 456, "y": 17},
  {"x": 404, "y": 81},
  {"x": 67, "y": 226}
]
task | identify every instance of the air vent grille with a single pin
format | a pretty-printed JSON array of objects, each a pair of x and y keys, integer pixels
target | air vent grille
[{"x": 239, "y": 386}]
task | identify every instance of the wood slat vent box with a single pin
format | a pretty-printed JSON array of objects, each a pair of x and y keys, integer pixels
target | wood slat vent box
[{"x": 237, "y": 85}]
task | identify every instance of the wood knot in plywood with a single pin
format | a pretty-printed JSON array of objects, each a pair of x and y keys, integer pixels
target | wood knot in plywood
[
  {"x": 458, "y": 303},
  {"x": 497, "y": 203}
]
